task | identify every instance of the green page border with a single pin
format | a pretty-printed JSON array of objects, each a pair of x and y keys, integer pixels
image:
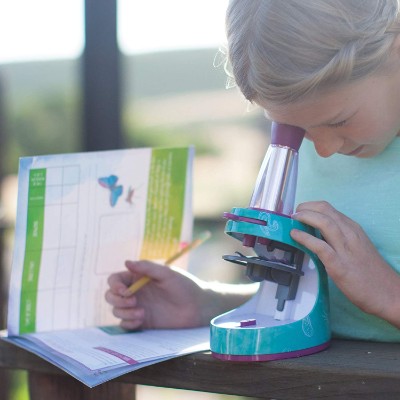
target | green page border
[
  {"x": 165, "y": 202},
  {"x": 33, "y": 250}
]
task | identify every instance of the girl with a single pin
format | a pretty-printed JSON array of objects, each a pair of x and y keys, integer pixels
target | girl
[{"x": 331, "y": 67}]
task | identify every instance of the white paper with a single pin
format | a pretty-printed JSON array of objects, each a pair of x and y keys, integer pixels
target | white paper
[
  {"x": 79, "y": 352},
  {"x": 80, "y": 218}
]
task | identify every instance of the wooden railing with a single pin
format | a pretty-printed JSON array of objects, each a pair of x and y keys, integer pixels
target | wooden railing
[{"x": 347, "y": 370}]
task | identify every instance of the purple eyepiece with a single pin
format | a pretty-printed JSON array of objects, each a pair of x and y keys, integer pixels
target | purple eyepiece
[{"x": 287, "y": 135}]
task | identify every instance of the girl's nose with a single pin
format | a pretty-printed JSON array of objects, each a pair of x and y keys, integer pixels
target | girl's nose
[{"x": 326, "y": 144}]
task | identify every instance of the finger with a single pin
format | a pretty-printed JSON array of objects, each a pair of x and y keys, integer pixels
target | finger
[
  {"x": 320, "y": 206},
  {"x": 129, "y": 314},
  {"x": 131, "y": 325},
  {"x": 119, "y": 301},
  {"x": 319, "y": 247},
  {"x": 324, "y": 208},
  {"x": 339, "y": 230},
  {"x": 118, "y": 282},
  {"x": 329, "y": 227},
  {"x": 147, "y": 268}
]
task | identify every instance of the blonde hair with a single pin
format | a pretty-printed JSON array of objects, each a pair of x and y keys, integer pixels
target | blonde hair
[{"x": 283, "y": 50}]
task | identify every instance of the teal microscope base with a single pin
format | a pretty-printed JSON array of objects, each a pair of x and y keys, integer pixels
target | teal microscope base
[
  {"x": 272, "y": 357},
  {"x": 251, "y": 332},
  {"x": 268, "y": 343}
]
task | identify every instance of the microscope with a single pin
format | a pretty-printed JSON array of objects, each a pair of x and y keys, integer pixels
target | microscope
[{"x": 289, "y": 314}]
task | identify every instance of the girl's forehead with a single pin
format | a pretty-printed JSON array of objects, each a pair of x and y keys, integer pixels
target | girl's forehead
[
  {"x": 317, "y": 109},
  {"x": 335, "y": 97}
]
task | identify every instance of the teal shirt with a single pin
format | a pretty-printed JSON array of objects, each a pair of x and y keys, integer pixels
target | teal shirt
[{"x": 368, "y": 191}]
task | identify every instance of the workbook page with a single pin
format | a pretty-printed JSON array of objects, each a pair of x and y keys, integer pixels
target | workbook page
[
  {"x": 95, "y": 355},
  {"x": 80, "y": 217},
  {"x": 104, "y": 348}
]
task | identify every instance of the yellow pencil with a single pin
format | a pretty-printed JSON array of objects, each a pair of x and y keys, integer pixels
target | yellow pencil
[{"x": 145, "y": 279}]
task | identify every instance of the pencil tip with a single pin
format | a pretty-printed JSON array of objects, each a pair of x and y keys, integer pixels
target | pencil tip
[{"x": 204, "y": 235}]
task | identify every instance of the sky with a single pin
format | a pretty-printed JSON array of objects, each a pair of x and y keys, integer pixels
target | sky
[{"x": 53, "y": 29}]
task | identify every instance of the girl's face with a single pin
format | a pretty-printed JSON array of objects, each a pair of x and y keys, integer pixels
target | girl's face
[{"x": 358, "y": 119}]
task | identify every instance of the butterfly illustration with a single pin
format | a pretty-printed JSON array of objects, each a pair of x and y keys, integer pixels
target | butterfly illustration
[
  {"x": 129, "y": 196},
  {"x": 110, "y": 182},
  {"x": 132, "y": 194}
]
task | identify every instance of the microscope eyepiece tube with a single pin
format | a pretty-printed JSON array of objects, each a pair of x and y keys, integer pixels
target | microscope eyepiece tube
[{"x": 275, "y": 187}]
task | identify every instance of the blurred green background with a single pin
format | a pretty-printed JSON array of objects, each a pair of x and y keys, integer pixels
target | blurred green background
[
  {"x": 170, "y": 98},
  {"x": 185, "y": 104}
]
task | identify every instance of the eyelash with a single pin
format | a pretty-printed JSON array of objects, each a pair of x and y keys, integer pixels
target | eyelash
[{"x": 338, "y": 124}]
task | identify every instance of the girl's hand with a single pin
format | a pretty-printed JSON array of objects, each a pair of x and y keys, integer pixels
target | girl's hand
[
  {"x": 172, "y": 299},
  {"x": 351, "y": 260}
]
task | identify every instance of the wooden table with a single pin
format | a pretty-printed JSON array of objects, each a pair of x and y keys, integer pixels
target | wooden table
[{"x": 347, "y": 370}]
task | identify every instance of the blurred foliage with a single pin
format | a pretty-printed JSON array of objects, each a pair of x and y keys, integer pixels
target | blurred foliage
[
  {"x": 19, "y": 386},
  {"x": 137, "y": 135},
  {"x": 43, "y": 101},
  {"x": 45, "y": 124},
  {"x": 50, "y": 124}
]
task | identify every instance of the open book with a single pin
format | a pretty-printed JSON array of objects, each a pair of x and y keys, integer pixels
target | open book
[{"x": 79, "y": 217}]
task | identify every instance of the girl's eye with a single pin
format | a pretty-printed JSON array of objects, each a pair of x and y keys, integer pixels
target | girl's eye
[{"x": 338, "y": 124}]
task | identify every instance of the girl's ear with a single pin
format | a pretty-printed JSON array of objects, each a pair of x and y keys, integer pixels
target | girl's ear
[
  {"x": 396, "y": 47},
  {"x": 393, "y": 63}
]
